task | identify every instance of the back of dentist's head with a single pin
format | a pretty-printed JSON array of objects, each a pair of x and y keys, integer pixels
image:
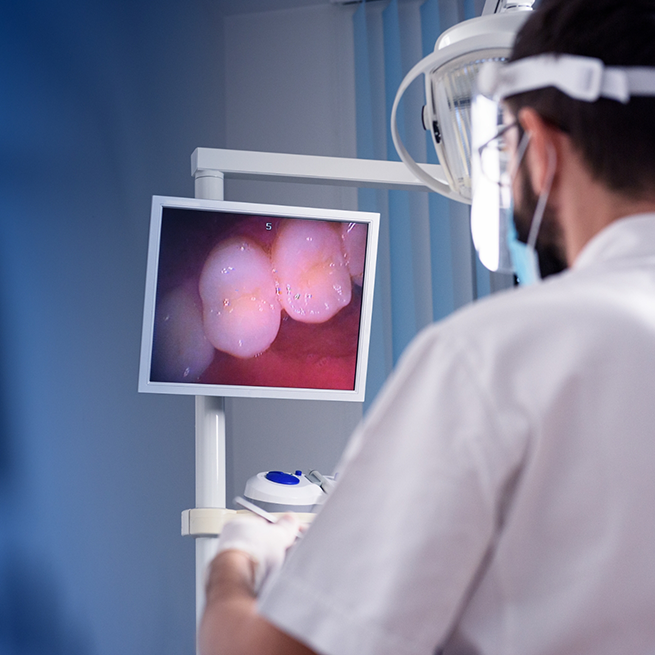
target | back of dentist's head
[{"x": 617, "y": 141}]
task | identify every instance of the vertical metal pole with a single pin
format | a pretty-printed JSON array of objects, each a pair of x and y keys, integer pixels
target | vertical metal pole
[
  {"x": 210, "y": 435},
  {"x": 210, "y": 480}
]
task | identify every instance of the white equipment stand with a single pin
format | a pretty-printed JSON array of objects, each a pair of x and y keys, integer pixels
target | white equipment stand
[{"x": 209, "y": 166}]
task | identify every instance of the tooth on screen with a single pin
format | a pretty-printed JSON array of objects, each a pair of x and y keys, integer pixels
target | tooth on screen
[
  {"x": 240, "y": 306},
  {"x": 311, "y": 270}
]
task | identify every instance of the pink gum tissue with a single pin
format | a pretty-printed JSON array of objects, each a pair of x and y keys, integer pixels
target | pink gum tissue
[{"x": 311, "y": 270}]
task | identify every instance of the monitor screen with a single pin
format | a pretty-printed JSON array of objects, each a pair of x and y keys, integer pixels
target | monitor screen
[{"x": 262, "y": 301}]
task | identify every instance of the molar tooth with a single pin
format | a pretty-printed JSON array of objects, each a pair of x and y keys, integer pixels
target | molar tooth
[
  {"x": 241, "y": 309},
  {"x": 354, "y": 246},
  {"x": 181, "y": 351},
  {"x": 310, "y": 266}
]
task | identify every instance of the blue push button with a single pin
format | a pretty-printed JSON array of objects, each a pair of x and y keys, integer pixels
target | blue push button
[{"x": 282, "y": 478}]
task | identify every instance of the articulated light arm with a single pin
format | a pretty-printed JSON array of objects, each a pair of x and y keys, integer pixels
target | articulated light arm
[{"x": 338, "y": 171}]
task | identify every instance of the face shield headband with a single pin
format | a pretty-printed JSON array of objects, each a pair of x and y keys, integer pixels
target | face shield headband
[{"x": 495, "y": 155}]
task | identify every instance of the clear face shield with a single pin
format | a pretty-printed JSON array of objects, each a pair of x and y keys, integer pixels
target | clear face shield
[
  {"x": 494, "y": 144},
  {"x": 498, "y": 146}
]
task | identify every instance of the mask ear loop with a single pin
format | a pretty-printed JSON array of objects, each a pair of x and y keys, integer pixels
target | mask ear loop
[{"x": 543, "y": 199}]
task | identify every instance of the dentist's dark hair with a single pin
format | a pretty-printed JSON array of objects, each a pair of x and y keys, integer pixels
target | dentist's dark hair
[{"x": 617, "y": 141}]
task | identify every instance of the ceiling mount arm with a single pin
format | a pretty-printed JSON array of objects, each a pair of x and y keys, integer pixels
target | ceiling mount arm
[{"x": 310, "y": 169}]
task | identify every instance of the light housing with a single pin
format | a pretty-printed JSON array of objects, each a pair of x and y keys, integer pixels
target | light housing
[{"x": 450, "y": 73}]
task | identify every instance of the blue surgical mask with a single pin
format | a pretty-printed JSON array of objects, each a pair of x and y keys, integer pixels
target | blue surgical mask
[{"x": 525, "y": 260}]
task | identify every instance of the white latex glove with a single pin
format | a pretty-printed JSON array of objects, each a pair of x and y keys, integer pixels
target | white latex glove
[{"x": 265, "y": 543}]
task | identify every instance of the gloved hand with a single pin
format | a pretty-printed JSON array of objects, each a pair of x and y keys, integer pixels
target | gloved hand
[{"x": 265, "y": 543}]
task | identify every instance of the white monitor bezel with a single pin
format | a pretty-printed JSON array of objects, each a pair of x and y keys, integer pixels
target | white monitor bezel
[{"x": 201, "y": 389}]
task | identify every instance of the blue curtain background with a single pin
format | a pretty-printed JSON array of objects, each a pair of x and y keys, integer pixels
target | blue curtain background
[{"x": 427, "y": 267}]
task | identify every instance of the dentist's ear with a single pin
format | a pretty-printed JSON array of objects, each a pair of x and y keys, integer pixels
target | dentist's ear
[{"x": 543, "y": 149}]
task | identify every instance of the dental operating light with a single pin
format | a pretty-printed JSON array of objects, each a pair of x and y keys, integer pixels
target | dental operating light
[{"x": 450, "y": 74}]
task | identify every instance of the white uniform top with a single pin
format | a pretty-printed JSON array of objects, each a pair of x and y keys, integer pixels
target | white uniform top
[{"x": 500, "y": 496}]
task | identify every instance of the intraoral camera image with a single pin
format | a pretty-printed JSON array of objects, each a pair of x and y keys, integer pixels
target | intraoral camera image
[{"x": 257, "y": 300}]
